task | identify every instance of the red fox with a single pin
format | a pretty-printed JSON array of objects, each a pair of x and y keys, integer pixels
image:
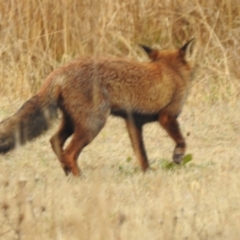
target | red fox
[{"x": 88, "y": 90}]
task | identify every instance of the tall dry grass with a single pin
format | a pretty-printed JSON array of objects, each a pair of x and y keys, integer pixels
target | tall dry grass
[
  {"x": 112, "y": 200},
  {"x": 37, "y": 36}
]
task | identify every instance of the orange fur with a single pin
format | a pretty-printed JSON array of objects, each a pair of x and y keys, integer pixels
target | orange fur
[{"x": 88, "y": 90}]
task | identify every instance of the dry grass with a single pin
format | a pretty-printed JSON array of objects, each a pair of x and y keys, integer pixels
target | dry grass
[
  {"x": 38, "y": 36},
  {"x": 113, "y": 200}
]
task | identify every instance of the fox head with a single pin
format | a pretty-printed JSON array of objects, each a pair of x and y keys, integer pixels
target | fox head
[{"x": 184, "y": 55}]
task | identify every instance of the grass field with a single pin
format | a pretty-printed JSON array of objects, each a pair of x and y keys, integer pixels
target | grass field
[{"x": 113, "y": 199}]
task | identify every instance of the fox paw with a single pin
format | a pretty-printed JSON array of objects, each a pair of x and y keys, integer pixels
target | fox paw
[
  {"x": 177, "y": 158},
  {"x": 66, "y": 170}
]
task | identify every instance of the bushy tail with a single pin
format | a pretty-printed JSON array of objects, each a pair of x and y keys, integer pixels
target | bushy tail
[{"x": 31, "y": 120}]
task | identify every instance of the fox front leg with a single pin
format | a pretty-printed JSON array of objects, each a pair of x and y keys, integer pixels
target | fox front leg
[
  {"x": 170, "y": 124},
  {"x": 135, "y": 134}
]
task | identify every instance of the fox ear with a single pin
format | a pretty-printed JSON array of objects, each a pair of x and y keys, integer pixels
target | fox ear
[
  {"x": 152, "y": 53},
  {"x": 188, "y": 50}
]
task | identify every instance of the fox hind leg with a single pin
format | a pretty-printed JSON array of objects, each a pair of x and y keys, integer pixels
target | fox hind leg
[
  {"x": 170, "y": 124},
  {"x": 58, "y": 139},
  {"x": 86, "y": 128},
  {"x": 135, "y": 134},
  {"x": 69, "y": 156},
  {"x": 82, "y": 136}
]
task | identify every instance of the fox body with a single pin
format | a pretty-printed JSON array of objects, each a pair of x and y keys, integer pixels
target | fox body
[{"x": 88, "y": 90}]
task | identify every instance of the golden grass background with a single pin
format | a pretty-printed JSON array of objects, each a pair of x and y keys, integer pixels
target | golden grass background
[{"x": 114, "y": 200}]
